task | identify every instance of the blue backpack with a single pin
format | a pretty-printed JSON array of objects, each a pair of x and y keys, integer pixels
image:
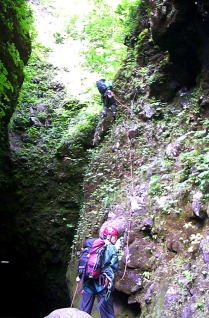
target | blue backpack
[{"x": 103, "y": 86}]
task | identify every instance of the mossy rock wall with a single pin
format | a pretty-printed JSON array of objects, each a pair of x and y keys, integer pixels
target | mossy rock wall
[
  {"x": 149, "y": 175},
  {"x": 15, "y": 48}
]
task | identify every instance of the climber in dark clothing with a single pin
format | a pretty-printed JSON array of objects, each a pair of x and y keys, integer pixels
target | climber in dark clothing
[
  {"x": 109, "y": 103},
  {"x": 107, "y": 97}
]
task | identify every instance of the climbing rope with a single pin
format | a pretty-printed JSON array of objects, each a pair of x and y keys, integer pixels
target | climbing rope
[
  {"x": 76, "y": 289},
  {"x": 131, "y": 212},
  {"x": 123, "y": 105}
]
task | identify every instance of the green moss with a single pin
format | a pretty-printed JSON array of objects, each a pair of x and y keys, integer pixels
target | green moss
[
  {"x": 5, "y": 88},
  {"x": 13, "y": 12},
  {"x": 14, "y": 53}
]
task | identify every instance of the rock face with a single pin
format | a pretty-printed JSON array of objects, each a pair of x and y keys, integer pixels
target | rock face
[
  {"x": 15, "y": 48},
  {"x": 68, "y": 313},
  {"x": 157, "y": 180}
]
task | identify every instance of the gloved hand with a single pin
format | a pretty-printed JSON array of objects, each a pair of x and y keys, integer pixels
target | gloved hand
[{"x": 77, "y": 279}]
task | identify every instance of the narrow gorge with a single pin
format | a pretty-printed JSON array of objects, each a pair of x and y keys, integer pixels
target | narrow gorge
[{"x": 65, "y": 171}]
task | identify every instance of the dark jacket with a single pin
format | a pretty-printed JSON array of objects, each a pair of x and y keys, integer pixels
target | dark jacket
[{"x": 108, "y": 100}]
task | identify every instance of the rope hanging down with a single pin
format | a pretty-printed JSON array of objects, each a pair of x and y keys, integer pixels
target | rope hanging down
[
  {"x": 131, "y": 212},
  {"x": 76, "y": 289}
]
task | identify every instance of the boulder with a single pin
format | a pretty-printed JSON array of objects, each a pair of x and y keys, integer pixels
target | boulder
[
  {"x": 68, "y": 313},
  {"x": 140, "y": 255},
  {"x": 131, "y": 283}
]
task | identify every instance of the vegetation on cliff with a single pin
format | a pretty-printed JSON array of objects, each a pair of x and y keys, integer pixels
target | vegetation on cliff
[
  {"x": 152, "y": 167},
  {"x": 15, "y": 49}
]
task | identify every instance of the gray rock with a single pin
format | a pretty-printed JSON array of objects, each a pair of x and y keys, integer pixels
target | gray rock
[
  {"x": 68, "y": 313},
  {"x": 187, "y": 313},
  {"x": 131, "y": 283},
  {"x": 197, "y": 205},
  {"x": 148, "y": 295},
  {"x": 204, "y": 245},
  {"x": 171, "y": 295},
  {"x": 41, "y": 107},
  {"x": 174, "y": 148},
  {"x": 147, "y": 223},
  {"x": 139, "y": 255},
  {"x": 148, "y": 111},
  {"x": 35, "y": 121},
  {"x": 132, "y": 133}
]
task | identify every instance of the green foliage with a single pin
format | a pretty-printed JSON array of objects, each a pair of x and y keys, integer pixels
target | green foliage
[
  {"x": 188, "y": 275},
  {"x": 59, "y": 38},
  {"x": 12, "y": 50},
  {"x": 155, "y": 185},
  {"x": 23, "y": 15},
  {"x": 73, "y": 28},
  {"x": 127, "y": 10},
  {"x": 15, "y": 20},
  {"x": 5, "y": 84},
  {"x": 197, "y": 161},
  {"x": 104, "y": 29},
  {"x": 147, "y": 275},
  {"x": 54, "y": 124}
]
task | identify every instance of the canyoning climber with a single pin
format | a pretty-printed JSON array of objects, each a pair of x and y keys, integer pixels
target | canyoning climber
[
  {"x": 98, "y": 279},
  {"x": 107, "y": 97}
]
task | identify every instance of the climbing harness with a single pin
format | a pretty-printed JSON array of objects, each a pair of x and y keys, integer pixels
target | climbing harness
[{"x": 76, "y": 289}]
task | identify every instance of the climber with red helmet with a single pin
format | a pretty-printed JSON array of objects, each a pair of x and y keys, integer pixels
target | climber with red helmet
[{"x": 103, "y": 285}]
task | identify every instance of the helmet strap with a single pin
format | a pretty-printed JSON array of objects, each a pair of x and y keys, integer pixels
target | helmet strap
[{"x": 109, "y": 237}]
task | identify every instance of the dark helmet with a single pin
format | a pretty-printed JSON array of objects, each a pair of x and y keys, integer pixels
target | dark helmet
[{"x": 110, "y": 230}]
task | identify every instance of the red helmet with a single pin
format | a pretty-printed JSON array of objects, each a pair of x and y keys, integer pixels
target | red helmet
[{"x": 110, "y": 230}]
